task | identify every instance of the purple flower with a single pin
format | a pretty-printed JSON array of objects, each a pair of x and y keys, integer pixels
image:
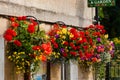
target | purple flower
[
  {"x": 99, "y": 39},
  {"x": 57, "y": 36},
  {"x": 112, "y": 51},
  {"x": 98, "y": 55},
  {"x": 62, "y": 50}
]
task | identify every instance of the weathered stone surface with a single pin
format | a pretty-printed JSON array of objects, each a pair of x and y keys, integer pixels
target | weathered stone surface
[
  {"x": 2, "y": 58},
  {"x": 71, "y": 12},
  {"x": 85, "y": 73},
  {"x": 55, "y": 72}
]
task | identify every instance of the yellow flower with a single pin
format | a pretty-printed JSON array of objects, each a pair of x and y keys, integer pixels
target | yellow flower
[
  {"x": 59, "y": 32},
  {"x": 58, "y": 53},
  {"x": 19, "y": 53},
  {"x": 71, "y": 35},
  {"x": 80, "y": 38},
  {"x": 17, "y": 72},
  {"x": 9, "y": 57},
  {"x": 111, "y": 48},
  {"x": 68, "y": 33},
  {"x": 48, "y": 58},
  {"x": 22, "y": 52},
  {"x": 64, "y": 30},
  {"x": 22, "y": 59},
  {"x": 28, "y": 63},
  {"x": 53, "y": 53},
  {"x": 15, "y": 53},
  {"x": 63, "y": 37},
  {"x": 36, "y": 58},
  {"x": 106, "y": 36},
  {"x": 46, "y": 37},
  {"x": 63, "y": 42},
  {"x": 56, "y": 56},
  {"x": 23, "y": 63}
]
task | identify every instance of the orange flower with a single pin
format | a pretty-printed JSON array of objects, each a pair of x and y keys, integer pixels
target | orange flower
[
  {"x": 47, "y": 48},
  {"x": 42, "y": 58},
  {"x": 94, "y": 59}
]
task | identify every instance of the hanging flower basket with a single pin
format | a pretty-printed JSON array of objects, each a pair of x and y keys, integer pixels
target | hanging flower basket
[
  {"x": 88, "y": 46},
  {"x": 96, "y": 47},
  {"x": 27, "y": 45},
  {"x": 64, "y": 42}
]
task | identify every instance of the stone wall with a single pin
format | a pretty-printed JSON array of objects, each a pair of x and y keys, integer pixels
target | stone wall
[{"x": 72, "y": 12}]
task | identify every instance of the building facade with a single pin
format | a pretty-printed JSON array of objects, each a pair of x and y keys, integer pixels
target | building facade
[{"x": 71, "y": 12}]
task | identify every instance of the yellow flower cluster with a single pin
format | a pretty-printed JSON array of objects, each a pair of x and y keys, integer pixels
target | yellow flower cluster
[
  {"x": 63, "y": 32},
  {"x": 56, "y": 55},
  {"x": 116, "y": 41},
  {"x": 20, "y": 62}
]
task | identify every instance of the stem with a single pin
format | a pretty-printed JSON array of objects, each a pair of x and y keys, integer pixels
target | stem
[{"x": 27, "y": 73}]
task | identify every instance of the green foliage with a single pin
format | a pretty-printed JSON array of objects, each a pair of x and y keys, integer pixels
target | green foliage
[{"x": 110, "y": 18}]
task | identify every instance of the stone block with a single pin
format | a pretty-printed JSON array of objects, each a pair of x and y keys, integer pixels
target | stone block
[
  {"x": 85, "y": 73},
  {"x": 55, "y": 71}
]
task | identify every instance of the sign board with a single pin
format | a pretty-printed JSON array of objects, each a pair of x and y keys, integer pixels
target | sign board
[{"x": 101, "y": 3}]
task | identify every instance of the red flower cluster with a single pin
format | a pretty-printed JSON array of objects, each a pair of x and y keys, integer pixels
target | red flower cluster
[
  {"x": 26, "y": 43},
  {"x": 46, "y": 47},
  {"x": 36, "y": 47},
  {"x": 9, "y": 34},
  {"x": 84, "y": 45},
  {"x": 17, "y": 42},
  {"x": 31, "y": 27}
]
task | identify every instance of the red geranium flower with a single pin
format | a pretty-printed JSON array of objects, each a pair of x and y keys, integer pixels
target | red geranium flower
[
  {"x": 42, "y": 58},
  {"x": 22, "y": 18},
  {"x": 88, "y": 55},
  {"x": 14, "y": 24},
  {"x": 8, "y": 37},
  {"x": 91, "y": 26},
  {"x": 52, "y": 40},
  {"x": 64, "y": 26},
  {"x": 17, "y": 43},
  {"x": 55, "y": 45},
  {"x": 12, "y": 19},
  {"x": 82, "y": 34},
  {"x": 99, "y": 27},
  {"x": 74, "y": 48},
  {"x": 66, "y": 43},
  {"x": 47, "y": 48},
  {"x": 31, "y": 28},
  {"x": 73, "y": 53},
  {"x": 94, "y": 59},
  {"x": 71, "y": 44},
  {"x": 11, "y": 32},
  {"x": 81, "y": 54},
  {"x": 36, "y": 47},
  {"x": 85, "y": 47},
  {"x": 64, "y": 54}
]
